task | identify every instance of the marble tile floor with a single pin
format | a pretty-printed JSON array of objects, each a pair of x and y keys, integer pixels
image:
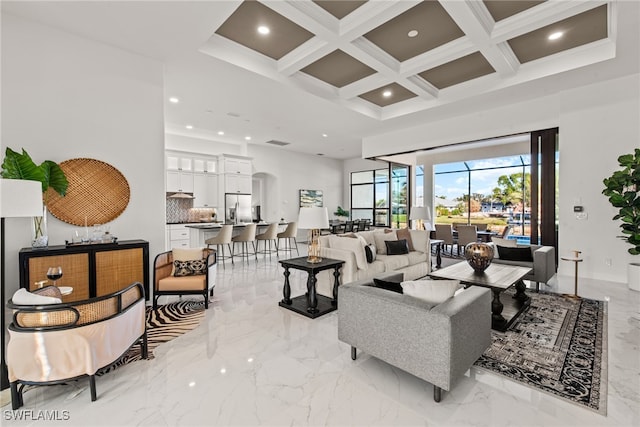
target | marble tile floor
[{"x": 253, "y": 363}]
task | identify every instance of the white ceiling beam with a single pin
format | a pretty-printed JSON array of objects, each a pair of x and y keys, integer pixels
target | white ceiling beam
[
  {"x": 540, "y": 16},
  {"x": 371, "y": 15},
  {"x": 303, "y": 55}
]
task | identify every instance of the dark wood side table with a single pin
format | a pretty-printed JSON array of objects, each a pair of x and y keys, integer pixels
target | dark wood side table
[{"x": 310, "y": 305}]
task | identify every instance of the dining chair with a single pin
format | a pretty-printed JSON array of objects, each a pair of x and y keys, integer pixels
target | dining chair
[
  {"x": 248, "y": 235},
  {"x": 289, "y": 234},
  {"x": 481, "y": 226},
  {"x": 270, "y": 235},
  {"x": 466, "y": 234},
  {"x": 348, "y": 227},
  {"x": 444, "y": 232},
  {"x": 222, "y": 238}
]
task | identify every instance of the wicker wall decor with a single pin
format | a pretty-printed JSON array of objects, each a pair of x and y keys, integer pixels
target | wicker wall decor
[{"x": 97, "y": 193}]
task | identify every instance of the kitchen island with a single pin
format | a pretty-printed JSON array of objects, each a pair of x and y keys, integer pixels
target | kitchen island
[{"x": 199, "y": 233}]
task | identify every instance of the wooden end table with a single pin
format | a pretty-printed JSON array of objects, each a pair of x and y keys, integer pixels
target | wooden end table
[{"x": 310, "y": 305}]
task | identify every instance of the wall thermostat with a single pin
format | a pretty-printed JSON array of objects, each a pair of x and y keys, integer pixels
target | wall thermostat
[{"x": 578, "y": 209}]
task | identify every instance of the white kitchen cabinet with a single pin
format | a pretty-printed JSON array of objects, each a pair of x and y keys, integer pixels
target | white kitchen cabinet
[
  {"x": 205, "y": 165},
  {"x": 179, "y": 163},
  {"x": 237, "y": 183},
  {"x": 177, "y": 236},
  {"x": 179, "y": 181},
  {"x": 205, "y": 190},
  {"x": 237, "y": 166}
]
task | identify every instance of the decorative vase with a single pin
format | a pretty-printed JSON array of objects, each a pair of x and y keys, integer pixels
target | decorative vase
[
  {"x": 479, "y": 256},
  {"x": 40, "y": 233}
]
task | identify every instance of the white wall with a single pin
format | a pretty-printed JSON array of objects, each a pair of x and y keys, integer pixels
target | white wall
[
  {"x": 597, "y": 123},
  {"x": 67, "y": 97}
]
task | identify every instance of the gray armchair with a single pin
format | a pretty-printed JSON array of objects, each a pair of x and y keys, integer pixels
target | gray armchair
[
  {"x": 436, "y": 343},
  {"x": 543, "y": 265}
]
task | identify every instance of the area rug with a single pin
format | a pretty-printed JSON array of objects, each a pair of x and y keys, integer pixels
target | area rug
[
  {"x": 163, "y": 324},
  {"x": 558, "y": 345}
]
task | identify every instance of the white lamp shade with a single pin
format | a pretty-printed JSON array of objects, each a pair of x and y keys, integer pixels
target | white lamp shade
[
  {"x": 313, "y": 217},
  {"x": 20, "y": 198},
  {"x": 420, "y": 212}
]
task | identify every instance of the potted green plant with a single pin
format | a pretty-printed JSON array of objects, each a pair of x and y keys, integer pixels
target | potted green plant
[
  {"x": 48, "y": 173},
  {"x": 341, "y": 213},
  {"x": 623, "y": 190}
]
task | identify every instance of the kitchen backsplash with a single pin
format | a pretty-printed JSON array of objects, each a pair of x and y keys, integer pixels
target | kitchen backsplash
[{"x": 182, "y": 210}]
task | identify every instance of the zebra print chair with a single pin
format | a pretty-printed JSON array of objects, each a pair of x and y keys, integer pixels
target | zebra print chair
[{"x": 56, "y": 343}]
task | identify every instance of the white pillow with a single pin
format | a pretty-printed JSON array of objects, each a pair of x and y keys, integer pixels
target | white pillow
[
  {"x": 381, "y": 237},
  {"x": 24, "y": 297},
  {"x": 433, "y": 291},
  {"x": 352, "y": 245},
  {"x": 505, "y": 243}
]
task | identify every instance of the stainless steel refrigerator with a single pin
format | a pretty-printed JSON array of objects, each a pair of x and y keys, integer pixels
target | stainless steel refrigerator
[{"x": 237, "y": 208}]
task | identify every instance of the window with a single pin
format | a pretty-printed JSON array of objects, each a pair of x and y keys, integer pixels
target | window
[{"x": 370, "y": 195}]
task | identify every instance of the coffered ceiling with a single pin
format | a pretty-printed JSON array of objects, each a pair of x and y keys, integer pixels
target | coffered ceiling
[
  {"x": 386, "y": 59},
  {"x": 316, "y": 82}
]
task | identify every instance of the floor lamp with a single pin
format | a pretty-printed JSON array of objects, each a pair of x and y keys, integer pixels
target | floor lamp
[
  {"x": 313, "y": 219},
  {"x": 18, "y": 198}
]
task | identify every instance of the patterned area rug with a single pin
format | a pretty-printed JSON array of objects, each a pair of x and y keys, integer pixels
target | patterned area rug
[
  {"x": 164, "y": 324},
  {"x": 559, "y": 346}
]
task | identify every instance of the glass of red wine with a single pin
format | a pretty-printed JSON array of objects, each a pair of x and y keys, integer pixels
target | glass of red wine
[{"x": 54, "y": 273}]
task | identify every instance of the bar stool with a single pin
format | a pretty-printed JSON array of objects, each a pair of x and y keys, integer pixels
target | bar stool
[
  {"x": 221, "y": 239},
  {"x": 270, "y": 235},
  {"x": 288, "y": 234},
  {"x": 247, "y": 235}
]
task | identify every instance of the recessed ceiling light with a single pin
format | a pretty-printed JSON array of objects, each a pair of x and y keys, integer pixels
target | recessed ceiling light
[
  {"x": 387, "y": 93},
  {"x": 264, "y": 30},
  {"x": 324, "y": 135},
  {"x": 412, "y": 33},
  {"x": 248, "y": 138},
  {"x": 220, "y": 133},
  {"x": 556, "y": 35},
  {"x": 174, "y": 100},
  {"x": 189, "y": 126}
]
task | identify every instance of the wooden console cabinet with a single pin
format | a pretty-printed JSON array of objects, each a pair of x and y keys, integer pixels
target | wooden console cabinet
[{"x": 92, "y": 270}]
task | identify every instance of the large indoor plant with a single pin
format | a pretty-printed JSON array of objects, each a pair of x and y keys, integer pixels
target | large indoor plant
[
  {"x": 48, "y": 173},
  {"x": 623, "y": 190}
]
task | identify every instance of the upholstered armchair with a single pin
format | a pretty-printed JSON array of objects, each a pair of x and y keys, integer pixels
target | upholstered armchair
[
  {"x": 55, "y": 343},
  {"x": 184, "y": 272}
]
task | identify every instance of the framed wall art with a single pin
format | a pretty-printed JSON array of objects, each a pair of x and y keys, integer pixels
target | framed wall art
[{"x": 310, "y": 198}]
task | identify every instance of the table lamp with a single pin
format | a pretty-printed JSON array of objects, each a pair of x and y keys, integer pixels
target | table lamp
[
  {"x": 313, "y": 219},
  {"x": 422, "y": 216},
  {"x": 18, "y": 198}
]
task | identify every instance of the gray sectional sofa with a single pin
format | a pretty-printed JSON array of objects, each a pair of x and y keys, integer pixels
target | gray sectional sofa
[
  {"x": 351, "y": 250},
  {"x": 436, "y": 343}
]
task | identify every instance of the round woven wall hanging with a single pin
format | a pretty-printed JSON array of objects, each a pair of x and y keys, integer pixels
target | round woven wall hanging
[{"x": 97, "y": 193}]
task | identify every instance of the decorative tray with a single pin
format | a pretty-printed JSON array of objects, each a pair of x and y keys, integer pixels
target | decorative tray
[{"x": 114, "y": 241}]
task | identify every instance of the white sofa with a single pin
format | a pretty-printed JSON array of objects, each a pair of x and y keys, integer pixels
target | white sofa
[{"x": 351, "y": 250}]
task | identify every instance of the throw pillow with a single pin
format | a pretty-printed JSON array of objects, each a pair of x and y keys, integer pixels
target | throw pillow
[
  {"x": 405, "y": 234},
  {"x": 351, "y": 245},
  {"x": 389, "y": 286},
  {"x": 380, "y": 238},
  {"x": 370, "y": 252},
  {"x": 190, "y": 268},
  {"x": 432, "y": 291},
  {"x": 515, "y": 254},
  {"x": 397, "y": 247},
  {"x": 185, "y": 254},
  {"x": 24, "y": 297},
  {"x": 506, "y": 243}
]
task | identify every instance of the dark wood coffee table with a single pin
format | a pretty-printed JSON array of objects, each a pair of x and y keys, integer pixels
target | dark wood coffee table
[{"x": 498, "y": 278}]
